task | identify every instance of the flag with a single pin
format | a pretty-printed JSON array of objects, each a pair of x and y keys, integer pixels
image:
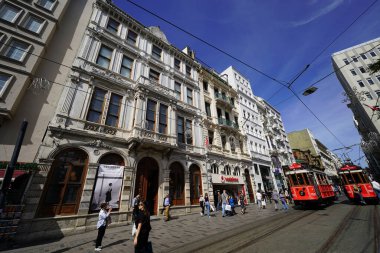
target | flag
[
  {"x": 373, "y": 108},
  {"x": 206, "y": 142}
]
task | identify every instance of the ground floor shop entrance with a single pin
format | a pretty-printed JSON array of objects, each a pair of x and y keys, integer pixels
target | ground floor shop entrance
[{"x": 147, "y": 183}]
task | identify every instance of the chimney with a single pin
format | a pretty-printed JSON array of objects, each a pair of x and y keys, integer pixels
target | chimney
[{"x": 187, "y": 50}]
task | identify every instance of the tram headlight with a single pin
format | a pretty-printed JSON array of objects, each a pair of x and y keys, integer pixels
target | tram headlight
[{"x": 302, "y": 193}]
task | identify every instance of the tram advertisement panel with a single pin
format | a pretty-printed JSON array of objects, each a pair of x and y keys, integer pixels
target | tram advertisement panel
[{"x": 108, "y": 186}]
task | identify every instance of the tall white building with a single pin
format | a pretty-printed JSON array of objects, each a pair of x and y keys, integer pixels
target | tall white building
[
  {"x": 250, "y": 123},
  {"x": 363, "y": 90}
]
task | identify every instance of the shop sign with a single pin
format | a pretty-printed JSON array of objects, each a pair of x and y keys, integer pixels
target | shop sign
[
  {"x": 20, "y": 165},
  {"x": 223, "y": 179}
]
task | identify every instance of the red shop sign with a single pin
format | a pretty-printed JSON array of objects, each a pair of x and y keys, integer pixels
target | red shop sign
[{"x": 229, "y": 179}]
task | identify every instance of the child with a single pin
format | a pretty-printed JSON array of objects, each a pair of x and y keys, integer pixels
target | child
[{"x": 102, "y": 225}]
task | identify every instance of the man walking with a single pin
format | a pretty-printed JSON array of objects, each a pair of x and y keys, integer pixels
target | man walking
[
  {"x": 224, "y": 202},
  {"x": 275, "y": 198},
  {"x": 259, "y": 198},
  {"x": 218, "y": 205},
  {"x": 167, "y": 207}
]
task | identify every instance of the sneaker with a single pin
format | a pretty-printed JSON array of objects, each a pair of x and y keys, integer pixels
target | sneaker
[{"x": 98, "y": 249}]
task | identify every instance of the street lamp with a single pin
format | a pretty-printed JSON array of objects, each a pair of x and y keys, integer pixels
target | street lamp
[{"x": 309, "y": 91}]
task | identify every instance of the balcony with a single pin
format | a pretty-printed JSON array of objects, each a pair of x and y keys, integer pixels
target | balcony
[
  {"x": 224, "y": 99},
  {"x": 228, "y": 123}
]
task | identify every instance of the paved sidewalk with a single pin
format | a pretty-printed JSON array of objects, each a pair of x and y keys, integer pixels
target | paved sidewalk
[{"x": 164, "y": 235}]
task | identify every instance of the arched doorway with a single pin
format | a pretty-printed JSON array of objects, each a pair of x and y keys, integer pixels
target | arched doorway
[
  {"x": 195, "y": 184},
  {"x": 147, "y": 182},
  {"x": 112, "y": 159},
  {"x": 249, "y": 185},
  {"x": 64, "y": 185},
  {"x": 177, "y": 184}
]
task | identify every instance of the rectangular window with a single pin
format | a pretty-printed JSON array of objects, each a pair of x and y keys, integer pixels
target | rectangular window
[
  {"x": 126, "y": 67},
  {"x": 154, "y": 75},
  {"x": 113, "y": 25},
  {"x": 34, "y": 24},
  {"x": 156, "y": 52},
  {"x": 189, "y": 96},
  {"x": 364, "y": 57},
  {"x": 4, "y": 81},
  {"x": 151, "y": 115},
  {"x": 362, "y": 69},
  {"x": 189, "y": 132},
  {"x": 361, "y": 84},
  {"x": 373, "y": 54},
  {"x": 17, "y": 50},
  {"x": 377, "y": 92},
  {"x": 96, "y": 106},
  {"x": 208, "y": 109},
  {"x": 163, "y": 120},
  {"x": 210, "y": 137},
  {"x": 368, "y": 95},
  {"x": 131, "y": 37},
  {"x": 104, "y": 57},
  {"x": 177, "y": 90},
  {"x": 378, "y": 78},
  {"x": 355, "y": 59},
  {"x": 188, "y": 70},
  {"x": 180, "y": 130},
  {"x": 177, "y": 64},
  {"x": 353, "y": 72},
  {"x": 205, "y": 86},
  {"x": 224, "y": 141},
  {"x": 113, "y": 110},
  {"x": 47, "y": 4},
  {"x": 10, "y": 13},
  {"x": 370, "y": 81},
  {"x": 346, "y": 61}
]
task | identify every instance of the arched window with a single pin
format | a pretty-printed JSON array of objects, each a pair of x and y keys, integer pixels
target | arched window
[
  {"x": 177, "y": 184},
  {"x": 227, "y": 170},
  {"x": 214, "y": 169},
  {"x": 236, "y": 171},
  {"x": 63, "y": 189}
]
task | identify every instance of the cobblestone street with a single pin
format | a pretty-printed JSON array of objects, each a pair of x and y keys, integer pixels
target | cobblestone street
[{"x": 164, "y": 235}]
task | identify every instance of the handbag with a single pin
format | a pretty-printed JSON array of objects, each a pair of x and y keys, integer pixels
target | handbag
[
  {"x": 108, "y": 220},
  {"x": 133, "y": 229},
  {"x": 228, "y": 208}
]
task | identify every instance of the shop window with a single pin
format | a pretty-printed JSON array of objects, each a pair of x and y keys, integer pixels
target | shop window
[
  {"x": 63, "y": 189},
  {"x": 177, "y": 184}
]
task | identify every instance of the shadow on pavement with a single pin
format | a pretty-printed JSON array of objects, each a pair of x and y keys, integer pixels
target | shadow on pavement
[{"x": 68, "y": 248}]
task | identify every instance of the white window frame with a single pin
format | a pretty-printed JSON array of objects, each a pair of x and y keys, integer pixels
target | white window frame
[
  {"x": 155, "y": 51},
  {"x": 7, "y": 83},
  {"x": 117, "y": 28},
  {"x": 373, "y": 54},
  {"x": 40, "y": 4},
  {"x": 11, "y": 46},
  {"x": 15, "y": 18},
  {"x": 42, "y": 24},
  {"x": 370, "y": 81},
  {"x": 363, "y": 56},
  {"x": 361, "y": 83},
  {"x": 121, "y": 66}
]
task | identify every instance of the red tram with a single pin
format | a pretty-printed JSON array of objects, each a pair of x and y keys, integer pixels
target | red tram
[
  {"x": 351, "y": 175},
  {"x": 309, "y": 186}
]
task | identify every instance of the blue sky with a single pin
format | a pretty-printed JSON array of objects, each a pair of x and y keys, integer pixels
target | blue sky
[{"x": 279, "y": 38}]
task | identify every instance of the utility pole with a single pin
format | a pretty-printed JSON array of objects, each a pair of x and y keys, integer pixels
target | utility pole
[{"x": 11, "y": 166}]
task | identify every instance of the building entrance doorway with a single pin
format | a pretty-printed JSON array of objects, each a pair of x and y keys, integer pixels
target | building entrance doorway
[{"x": 147, "y": 183}]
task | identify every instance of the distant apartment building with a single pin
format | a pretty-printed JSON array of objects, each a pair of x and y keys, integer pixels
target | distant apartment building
[
  {"x": 363, "y": 91},
  {"x": 251, "y": 125},
  {"x": 304, "y": 141}
]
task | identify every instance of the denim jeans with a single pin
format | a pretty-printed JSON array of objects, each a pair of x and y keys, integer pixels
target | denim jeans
[
  {"x": 207, "y": 205},
  {"x": 284, "y": 205},
  {"x": 223, "y": 209}
]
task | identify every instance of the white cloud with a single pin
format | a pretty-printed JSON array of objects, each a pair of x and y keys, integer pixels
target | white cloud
[{"x": 319, "y": 13}]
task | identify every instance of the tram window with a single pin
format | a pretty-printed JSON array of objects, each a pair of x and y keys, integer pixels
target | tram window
[
  {"x": 349, "y": 179},
  {"x": 300, "y": 179},
  {"x": 357, "y": 178},
  {"x": 293, "y": 179},
  {"x": 307, "y": 180}
]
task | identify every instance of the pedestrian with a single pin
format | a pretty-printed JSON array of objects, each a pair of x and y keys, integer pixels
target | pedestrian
[
  {"x": 242, "y": 202},
  {"x": 135, "y": 205},
  {"x": 232, "y": 204},
  {"x": 258, "y": 198},
  {"x": 269, "y": 196},
  {"x": 263, "y": 199},
  {"x": 207, "y": 204},
  {"x": 358, "y": 195},
  {"x": 288, "y": 197},
  {"x": 376, "y": 188},
  {"x": 219, "y": 204},
  {"x": 202, "y": 204},
  {"x": 275, "y": 198},
  {"x": 102, "y": 225},
  {"x": 143, "y": 228},
  {"x": 167, "y": 207},
  {"x": 283, "y": 201},
  {"x": 224, "y": 202}
]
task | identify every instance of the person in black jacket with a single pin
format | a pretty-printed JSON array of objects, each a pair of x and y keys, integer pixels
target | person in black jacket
[{"x": 143, "y": 228}]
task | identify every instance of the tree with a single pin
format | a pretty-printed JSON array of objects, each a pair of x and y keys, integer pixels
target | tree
[{"x": 374, "y": 67}]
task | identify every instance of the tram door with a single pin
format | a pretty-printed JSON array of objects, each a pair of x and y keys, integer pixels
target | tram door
[{"x": 147, "y": 183}]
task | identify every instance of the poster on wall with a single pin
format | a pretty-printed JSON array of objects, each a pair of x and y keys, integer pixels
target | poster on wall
[{"x": 108, "y": 186}]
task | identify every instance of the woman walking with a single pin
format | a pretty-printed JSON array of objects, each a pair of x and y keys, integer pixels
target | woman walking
[
  {"x": 143, "y": 228},
  {"x": 202, "y": 204},
  {"x": 283, "y": 201},
  {"x": 102, "y": 225},
  {"x": 207, "y": 204}
]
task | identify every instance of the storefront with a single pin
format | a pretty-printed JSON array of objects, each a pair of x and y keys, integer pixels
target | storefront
[{"x": 232, "y": 184}]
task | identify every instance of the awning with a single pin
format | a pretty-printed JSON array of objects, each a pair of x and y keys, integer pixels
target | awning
[{"x": 16, "y": 173}]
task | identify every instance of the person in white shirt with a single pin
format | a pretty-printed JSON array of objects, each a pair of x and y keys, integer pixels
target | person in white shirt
[
  {"x": 102, "y": 225},
  {"x": 259, "y": 198},
  {"x": 376, "y": 187}
]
